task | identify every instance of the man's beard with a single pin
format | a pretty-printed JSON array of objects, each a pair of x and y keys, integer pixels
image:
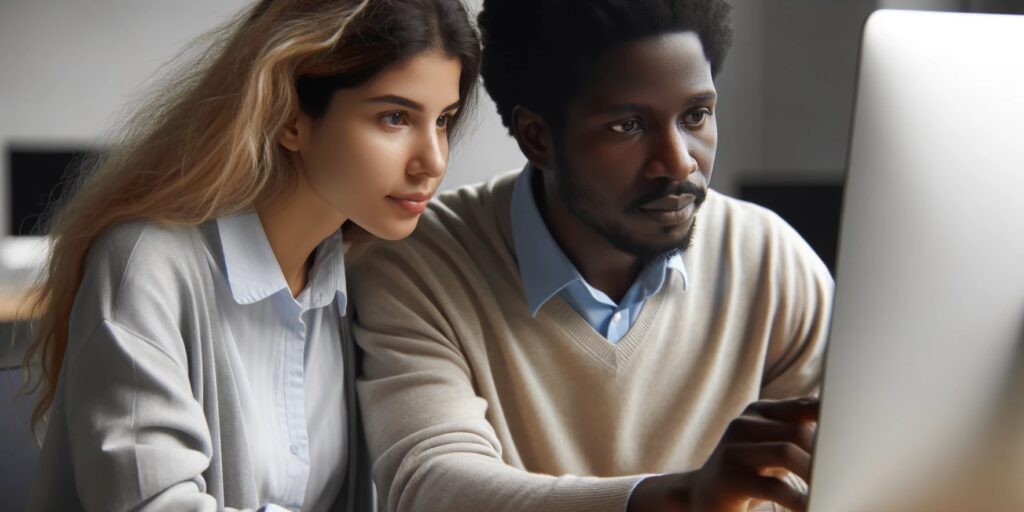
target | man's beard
[{"x": 583, "y": 205}]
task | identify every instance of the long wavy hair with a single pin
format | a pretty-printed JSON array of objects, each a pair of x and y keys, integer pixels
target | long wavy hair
[{"x": 206, "y": 144}]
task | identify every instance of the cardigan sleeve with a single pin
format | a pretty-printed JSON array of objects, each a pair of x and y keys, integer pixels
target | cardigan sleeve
[
  {"x": 126, "y": 431},
  {"x": 138, "y": 440}
]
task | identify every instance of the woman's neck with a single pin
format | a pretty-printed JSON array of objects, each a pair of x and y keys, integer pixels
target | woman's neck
[{"x": 296, "y": 221}]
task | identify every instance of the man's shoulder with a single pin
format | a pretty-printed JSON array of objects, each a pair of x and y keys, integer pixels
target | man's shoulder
[
  {"x": 751, "y": 232},
  {"x": 722, "y": 206},
  {"x": 481, "y": 205},
  {"x": 466, "y": 214},
  {"x": 725, "y": 216},
  {"x": 469, "y": 224}
]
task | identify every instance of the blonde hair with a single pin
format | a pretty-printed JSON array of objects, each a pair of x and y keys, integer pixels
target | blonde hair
[{"x": 207, "y": 145}]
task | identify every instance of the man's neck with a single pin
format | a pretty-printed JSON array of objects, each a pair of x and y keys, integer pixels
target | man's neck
[{"x": 604, "y": 266}]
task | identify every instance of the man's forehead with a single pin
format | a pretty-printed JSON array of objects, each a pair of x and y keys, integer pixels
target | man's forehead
[{"x": 670, "y": 63}]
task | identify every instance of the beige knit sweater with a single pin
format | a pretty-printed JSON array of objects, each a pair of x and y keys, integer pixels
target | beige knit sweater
[{"x": 472, "y": 404}]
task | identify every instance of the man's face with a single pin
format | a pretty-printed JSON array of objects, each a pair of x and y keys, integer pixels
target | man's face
[{"x": 635, "y": 156}]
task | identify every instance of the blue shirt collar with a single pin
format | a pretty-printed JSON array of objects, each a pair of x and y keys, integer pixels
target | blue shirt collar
[
  {"x": 253, "y": 273},
  {"x": 545, "y": 270}
]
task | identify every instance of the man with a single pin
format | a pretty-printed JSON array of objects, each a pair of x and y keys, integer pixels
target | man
[{"x": 599, "y": 332}]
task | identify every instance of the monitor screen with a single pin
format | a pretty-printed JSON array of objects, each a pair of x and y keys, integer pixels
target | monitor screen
[{"x": 37, "y": 177}]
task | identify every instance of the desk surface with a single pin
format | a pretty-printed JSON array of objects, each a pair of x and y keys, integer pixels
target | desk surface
[
  {"x": 14, "y": 304},
  {"x": 14, "y": 334}
]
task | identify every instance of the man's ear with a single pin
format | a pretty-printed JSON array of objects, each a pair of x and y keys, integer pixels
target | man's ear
[
  {"x": 534, "y": 137},
  {"x": 294, "y": 132}
]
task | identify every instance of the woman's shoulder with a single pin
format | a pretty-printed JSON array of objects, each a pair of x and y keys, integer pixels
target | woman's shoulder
[
  {"x": 148, "y": 241},
  {"x": 143, "y": 257}
]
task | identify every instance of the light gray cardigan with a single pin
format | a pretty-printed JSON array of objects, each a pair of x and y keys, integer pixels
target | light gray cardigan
[{"x": 144, "y": 326}]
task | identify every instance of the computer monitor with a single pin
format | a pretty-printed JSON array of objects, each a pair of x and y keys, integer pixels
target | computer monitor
[
  {"x": 37, "y": 176},
  {"x": 922, "y": 403}
]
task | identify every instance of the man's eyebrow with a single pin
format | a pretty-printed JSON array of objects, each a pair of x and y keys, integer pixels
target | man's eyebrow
[
  {"x": 632, "y": 108},
  {"x": 624, "y": 108},
  {"x": 701, "y": 98},
  {"x": 407, "y": 103}
]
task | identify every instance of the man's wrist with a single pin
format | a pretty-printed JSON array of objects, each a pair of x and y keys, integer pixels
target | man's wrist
[{"x": 660, "y": 493}]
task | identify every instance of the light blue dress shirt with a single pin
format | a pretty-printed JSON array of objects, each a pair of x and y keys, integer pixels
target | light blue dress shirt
[
  {"x": 546, "y": 271},
  {"x": 292, "y": 377}
]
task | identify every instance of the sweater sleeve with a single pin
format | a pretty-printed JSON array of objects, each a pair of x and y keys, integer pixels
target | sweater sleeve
[
  {"x": 802, "y": 287},
  {"x": 431, "y": 444}
]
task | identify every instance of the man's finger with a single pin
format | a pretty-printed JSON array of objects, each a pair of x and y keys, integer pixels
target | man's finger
[
  {"x": 801, "y": 410},
  {"x": 774, "y": 490},
  {"x": 759, "y": 457},
  {"x": 755, "y": 429}
]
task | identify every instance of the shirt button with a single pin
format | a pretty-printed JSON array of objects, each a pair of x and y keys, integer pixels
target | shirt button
[
  {"x": 616, "y": 317},
  {"x": 295, "y": 448}
]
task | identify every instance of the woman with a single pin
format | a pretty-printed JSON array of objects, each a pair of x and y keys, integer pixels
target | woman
[{"x": 190, "y": 326}]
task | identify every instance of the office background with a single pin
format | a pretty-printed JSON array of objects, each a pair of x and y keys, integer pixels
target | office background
[{"x": 70, "y": 70}]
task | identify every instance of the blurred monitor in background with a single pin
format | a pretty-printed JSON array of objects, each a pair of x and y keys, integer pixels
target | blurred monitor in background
[
  {"x": 36, "y": 179},
  {"x": 811, "y": 208}
]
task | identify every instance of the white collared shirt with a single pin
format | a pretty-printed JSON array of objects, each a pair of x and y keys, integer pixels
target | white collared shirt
[{"x": 291, "y": 385}]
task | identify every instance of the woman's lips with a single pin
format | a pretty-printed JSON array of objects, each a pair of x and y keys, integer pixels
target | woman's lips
[{"x": 415, "y": 204}]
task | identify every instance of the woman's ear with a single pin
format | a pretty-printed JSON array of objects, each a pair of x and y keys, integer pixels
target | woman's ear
[
  {"x": 534, "y": 137},
  {"x": 295, "y": 132}
]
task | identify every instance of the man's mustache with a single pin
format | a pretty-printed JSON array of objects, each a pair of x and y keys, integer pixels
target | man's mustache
[{"x": 673, "y": 189}]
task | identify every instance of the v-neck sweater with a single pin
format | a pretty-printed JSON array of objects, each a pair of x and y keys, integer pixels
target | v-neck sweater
[{"x": 472, "y": 403}]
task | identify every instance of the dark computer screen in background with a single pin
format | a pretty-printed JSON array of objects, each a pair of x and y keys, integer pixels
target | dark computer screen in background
[
  {"x": 36, "y": 178},
  {"x": 812, "y": 209}
]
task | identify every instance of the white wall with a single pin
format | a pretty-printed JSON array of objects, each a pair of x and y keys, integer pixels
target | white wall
[
  {"x": 70, "y": 68},
  {"x": 740, "y": 112},
  {"x": 486, "y": 149},
  {"x": 929, "y": 5},
  {"x": 67, "y": 68},
  {"x": 786, "y": 91}
]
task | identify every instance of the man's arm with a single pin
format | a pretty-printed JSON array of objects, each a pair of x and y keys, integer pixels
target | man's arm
[
  {"x": 431, "y": 444},
  {"x": 802, "y": 288}
]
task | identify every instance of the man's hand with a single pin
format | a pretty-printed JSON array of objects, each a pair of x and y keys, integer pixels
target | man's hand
[{"x": 770, "y": 438}]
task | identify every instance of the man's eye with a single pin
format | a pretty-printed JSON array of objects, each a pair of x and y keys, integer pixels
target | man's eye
[
  {"x": 393, "y": 118},
  {"x": 628, "y": 126},
  {"x": 696, "y": 117}
]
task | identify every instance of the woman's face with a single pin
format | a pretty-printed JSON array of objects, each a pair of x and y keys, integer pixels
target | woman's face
[{"x": 379, "y": 153}]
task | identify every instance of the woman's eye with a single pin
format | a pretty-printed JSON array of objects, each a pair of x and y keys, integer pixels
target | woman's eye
[
  {"x": 393, "y": 119},
  {"x": 444, "y": 121},
  {"x": 628, "y": 126},
  {"x": 696, "y": 117}
]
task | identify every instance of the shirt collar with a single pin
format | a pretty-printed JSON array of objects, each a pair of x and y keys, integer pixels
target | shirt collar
[
  {"x": 253, "y": 273},
  {"x": 544, "y": 269}
]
